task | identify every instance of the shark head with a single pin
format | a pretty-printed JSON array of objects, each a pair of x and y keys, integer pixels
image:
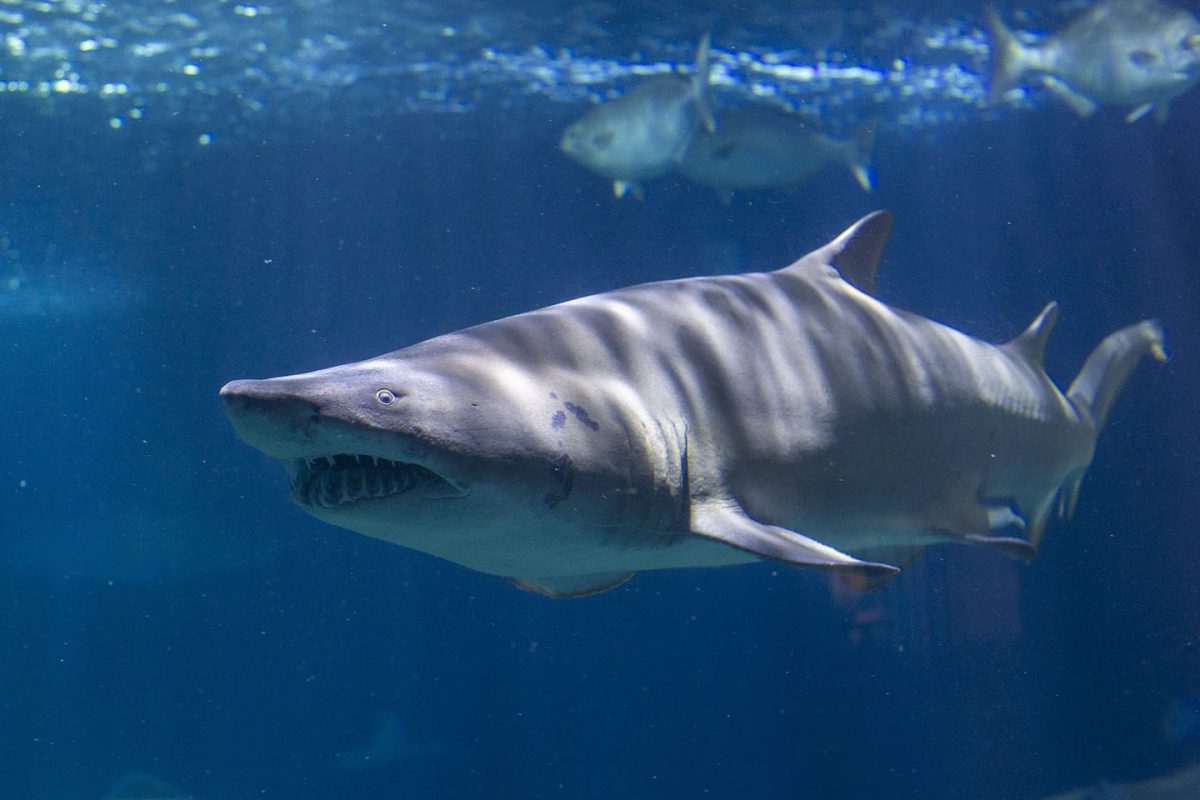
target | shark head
[{"x": 447, "y": 447}]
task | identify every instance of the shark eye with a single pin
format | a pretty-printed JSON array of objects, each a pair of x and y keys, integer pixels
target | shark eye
[
  {"x": 603, "y": 140},
  {"x": 385, "y": 397}
]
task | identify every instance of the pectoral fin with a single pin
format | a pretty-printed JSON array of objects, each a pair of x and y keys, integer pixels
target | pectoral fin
[
  {"x": 1139, "y": 112},
  {"x": 1080, "y": 104},
  {"x": 725, "y": 521},
  {"x": 573, "y": 585},
  {"x": 1010, "y": 546}
]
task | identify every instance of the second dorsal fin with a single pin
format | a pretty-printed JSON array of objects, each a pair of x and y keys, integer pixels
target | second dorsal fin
[{"x": 1031, "y": 344}]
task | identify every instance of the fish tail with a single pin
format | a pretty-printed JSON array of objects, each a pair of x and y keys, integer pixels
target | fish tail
[
  {"x": 1008, "y": 59},
  {"x": 1106, "y": 370},
  {"x": 701, "y": 90},
  {"x": 1093, "y": 393}
]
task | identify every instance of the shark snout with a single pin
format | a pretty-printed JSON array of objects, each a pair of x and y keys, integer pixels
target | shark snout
[
  {"x": 268, "y": 415},
  {"x": 242, "y": 398}
]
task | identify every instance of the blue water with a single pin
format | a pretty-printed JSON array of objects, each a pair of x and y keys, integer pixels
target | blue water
[{"x": 335, "y": 180}]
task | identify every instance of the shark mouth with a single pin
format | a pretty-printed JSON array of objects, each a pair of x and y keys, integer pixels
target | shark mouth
[{"x": 344, "y": 480}]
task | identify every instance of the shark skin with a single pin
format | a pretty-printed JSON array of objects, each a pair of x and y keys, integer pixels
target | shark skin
[{"x": 701, "y": 422}]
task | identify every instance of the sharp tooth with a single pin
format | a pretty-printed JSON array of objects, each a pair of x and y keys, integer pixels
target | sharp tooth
[
  {"x": 375, "y": 460},
  {"x": 332, "y": 463},
  {"x": 329, "y": 488}
]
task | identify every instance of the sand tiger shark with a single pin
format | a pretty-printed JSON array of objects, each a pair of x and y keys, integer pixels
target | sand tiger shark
[{"x": 788, "y": 416}]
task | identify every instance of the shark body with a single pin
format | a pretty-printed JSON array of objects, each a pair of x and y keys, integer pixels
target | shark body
[{"x": 699, "y": 422}]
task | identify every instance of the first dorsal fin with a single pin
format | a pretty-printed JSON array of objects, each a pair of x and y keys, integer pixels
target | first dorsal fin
[
  {"x": 1031, "y": 344},
  {"x": 855, "y": 254}
]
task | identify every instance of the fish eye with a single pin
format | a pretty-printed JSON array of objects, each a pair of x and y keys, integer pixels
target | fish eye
[{"x": 385, "y": 397}]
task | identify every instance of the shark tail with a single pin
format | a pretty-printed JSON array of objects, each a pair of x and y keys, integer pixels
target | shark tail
[
  {"x": 1093, "y": 393},
  {"x": 1009, "y": 59},
  {"x": 1106, "y": 370}
]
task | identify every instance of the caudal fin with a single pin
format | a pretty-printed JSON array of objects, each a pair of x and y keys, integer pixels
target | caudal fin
[
  {"x": 1008, "y": 58},
  {"x": 1104, "y": 373},
  {"x": 1093, "y": 393}
]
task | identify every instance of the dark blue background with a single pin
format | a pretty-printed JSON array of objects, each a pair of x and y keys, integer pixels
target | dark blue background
[{"x": 971, "y": 677}]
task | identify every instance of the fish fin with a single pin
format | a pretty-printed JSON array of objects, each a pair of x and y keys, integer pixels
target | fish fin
[
  {"x": 1139, "y": 112},
  {"x": 1108, "y": 367},
  {"x": 573, "y": 585},
  {"x": 622, "y": 188},
  {"x": 725, "y": 521},
  {"x": 1011, "y": 546},
  {"x": 1092, "y": 394},
  {"x": 854, "y": 254},
  {"x": 1069, "y": 494},
  {"x": 1082, "y": 105},
  {"x": 1031, "y": 344},
  {"x": 859, "y": 156},
  {"x": 701, "y": 83},
  {"x": 899, "y": 556},
  {"x": 1037, "y": 519},
  {"x": 1003, "y": 517},
  {"x": 1007, "y": 57},
  {"x": 862, "y": 174}
]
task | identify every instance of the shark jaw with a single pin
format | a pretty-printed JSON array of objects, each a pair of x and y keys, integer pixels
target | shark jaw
[
  {"x": 335, "y": 467},
  {"x": 334, "y": 482}
]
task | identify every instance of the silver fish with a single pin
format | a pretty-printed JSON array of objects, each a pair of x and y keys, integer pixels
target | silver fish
[
  {"x": 1139, "y": 53},
  {"x": 759, "y": 148},
  {"x": 644, "y": 133}
]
